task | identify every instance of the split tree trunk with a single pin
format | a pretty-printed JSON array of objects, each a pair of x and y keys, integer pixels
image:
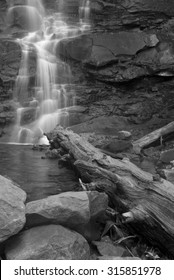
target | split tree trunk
[{"x": 145, "y": 202}]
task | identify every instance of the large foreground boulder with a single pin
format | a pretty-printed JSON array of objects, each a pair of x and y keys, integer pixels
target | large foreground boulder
[
  {"x": 51, "y": 242},
  {"x": 71, "y": 209},
  {"x": 12, "y": 207}
]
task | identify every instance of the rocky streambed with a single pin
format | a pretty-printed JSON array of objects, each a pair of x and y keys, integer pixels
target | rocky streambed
[
  {"x": 53, "y": 226},
  {"x": 93, "y": 221}
]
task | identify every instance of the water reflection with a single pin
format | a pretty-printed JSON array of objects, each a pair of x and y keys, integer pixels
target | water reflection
[{"x": 38, "y": 177}]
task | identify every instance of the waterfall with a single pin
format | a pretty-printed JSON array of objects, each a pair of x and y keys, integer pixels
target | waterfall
[
  {"x": 44, "y": 105},
  {"x": 84, "y": 11}
]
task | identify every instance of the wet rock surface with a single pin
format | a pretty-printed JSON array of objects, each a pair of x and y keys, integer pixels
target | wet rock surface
[{"x": 52, "y": 242}]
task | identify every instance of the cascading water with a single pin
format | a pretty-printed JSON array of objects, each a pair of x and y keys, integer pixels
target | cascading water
[
  {"x": 84, "y": 12},
  {"x": 46, "y": 105}
]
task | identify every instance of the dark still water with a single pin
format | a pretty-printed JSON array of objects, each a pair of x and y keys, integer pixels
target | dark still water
[{"x": 38, "y": 177}]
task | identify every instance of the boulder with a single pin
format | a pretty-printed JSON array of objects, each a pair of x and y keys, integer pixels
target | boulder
[
  {"x": 70, "y": 209},
  {"x": 167, "y": 156},
  {"x": 52, "y": 242},
  {"x": 12, "y": 208}
]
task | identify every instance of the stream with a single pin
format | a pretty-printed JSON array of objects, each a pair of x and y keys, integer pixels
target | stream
[{"x": 38, "y": 177}]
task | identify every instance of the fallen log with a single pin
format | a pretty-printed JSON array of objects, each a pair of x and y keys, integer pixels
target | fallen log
[
  {"x": 150, "y": 138},
  {"x": 145, "y": 202}
]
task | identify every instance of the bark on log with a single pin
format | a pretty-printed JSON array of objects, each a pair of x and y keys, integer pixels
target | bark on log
[
  {"x": 148, "y": 139},
  {"x": 146, "y": 203}
]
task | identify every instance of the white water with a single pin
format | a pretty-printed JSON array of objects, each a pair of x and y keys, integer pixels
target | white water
[
  {"x": 46, "y": 105},
  {"x": 84, "y": 12}
]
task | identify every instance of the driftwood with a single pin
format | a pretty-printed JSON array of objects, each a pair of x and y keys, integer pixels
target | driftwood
[
  {"x": 145, "y": 202},
  {"x": 152, "y": 137}
]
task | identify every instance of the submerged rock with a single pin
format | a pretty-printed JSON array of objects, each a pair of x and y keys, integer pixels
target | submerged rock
[
  {"x": 12, "y": 208},
  {"x": 52, "y": 242}
]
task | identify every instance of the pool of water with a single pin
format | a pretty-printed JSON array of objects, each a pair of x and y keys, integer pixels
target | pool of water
[{"x": 38, "y": 177}]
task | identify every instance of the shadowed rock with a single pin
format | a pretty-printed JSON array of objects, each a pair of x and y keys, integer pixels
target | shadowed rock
[{"x": 51, "y": 242}]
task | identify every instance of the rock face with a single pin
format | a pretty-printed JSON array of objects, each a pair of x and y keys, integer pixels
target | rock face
[
  {"x": 3, "y": 9},
  {"x": 10, "y": 58},
  {"x": 78, "y": 48},
  {"x": 134, "y": 6},
  {"x": 51, "y": 242},
  {"x": 122, "y": 68},
  {"x": 120, "y": 56},
  {"x": 12, "y": 208},
  {"x": 19, "y": 16},
  {"x": 71, "y": 209}
]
